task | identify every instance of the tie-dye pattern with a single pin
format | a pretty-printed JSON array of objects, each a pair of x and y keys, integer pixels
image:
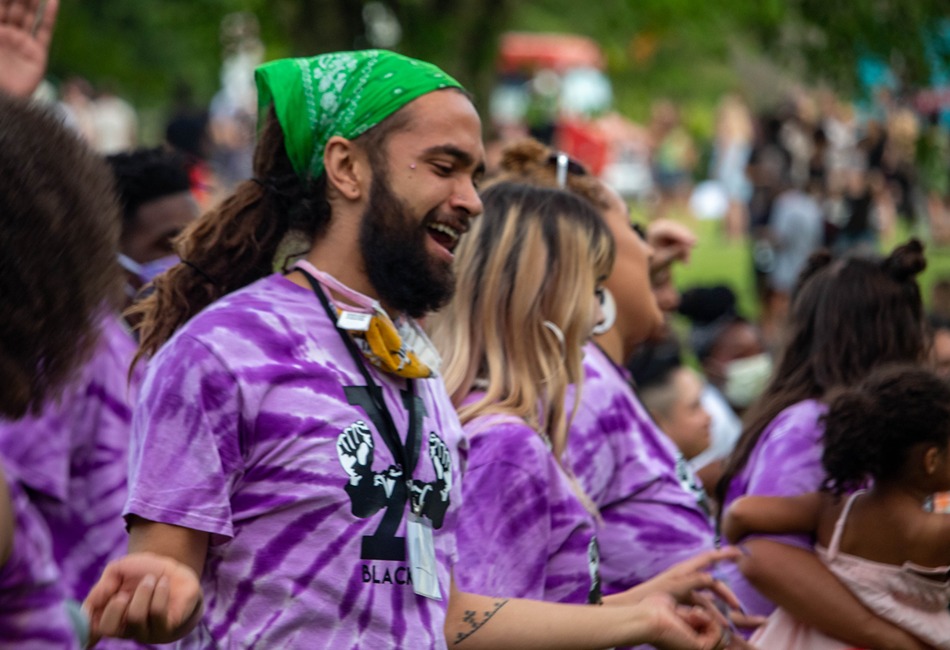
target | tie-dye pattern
[
  {"x": 74, "y": 458},
  {"x": 247, "y": 429},
  {"x": 629, "y": 468},
  {"x": 523, "y": 531},
  {"x": 785, "y": 462},
  {"x": 32, "y": 595}
]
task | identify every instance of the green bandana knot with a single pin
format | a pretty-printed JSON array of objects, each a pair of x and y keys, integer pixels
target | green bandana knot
[{"x": 341, "y": 93}]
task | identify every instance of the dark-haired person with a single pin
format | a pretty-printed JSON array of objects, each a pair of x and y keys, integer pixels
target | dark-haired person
[
  {"x": 732, "y": 356},
  {"x": 295, "y": 477},
  {"x": 67, "y": 220},
  {"x": 847, "y": 318},
  {"x": 77, "y": 474},
  {"x": 157, "y": 205},
  {"x": 887, "y": 445}
]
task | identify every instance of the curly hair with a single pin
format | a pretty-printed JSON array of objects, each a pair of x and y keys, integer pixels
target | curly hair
[
  {"x": 847, "y": 318},
  {"x": 238, "y": 242},
  {"x": 60, "y": 223},
  {"x": 530, "y": 161},
  {"x": 870, "y": 429}
]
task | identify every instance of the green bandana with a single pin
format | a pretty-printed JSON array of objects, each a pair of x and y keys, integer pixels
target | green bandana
[{"x": 342, "y": 93}]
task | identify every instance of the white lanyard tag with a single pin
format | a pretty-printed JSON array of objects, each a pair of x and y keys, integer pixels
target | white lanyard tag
[
  {"x": 425, "y": 578},
  {"x": 354, "y": 321}
]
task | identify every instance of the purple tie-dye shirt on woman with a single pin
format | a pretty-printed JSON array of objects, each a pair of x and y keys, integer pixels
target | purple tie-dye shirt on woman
[
  {"x": 74, "y": 458},
  {"x": 630, "y": 469},
  {"x": 256, "y": 426},
  {"x": 786, "y": 461},
  {"x": 523, "y": 531},
  {"x": 32, "y": 595}
]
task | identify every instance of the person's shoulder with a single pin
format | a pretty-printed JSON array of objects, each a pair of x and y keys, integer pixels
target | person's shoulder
[
  {"x": 264, "y": 321},
  {"x": 807, "y": 409},
  {"x": 802, "y": 419},
  {"x": 505, "y": 438},
  {"x": 271, "y": 305}
]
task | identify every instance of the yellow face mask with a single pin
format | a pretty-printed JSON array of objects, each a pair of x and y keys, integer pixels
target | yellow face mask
[
  {"x": 391, "y": 349},
  {"x": 383, "y": 347}
]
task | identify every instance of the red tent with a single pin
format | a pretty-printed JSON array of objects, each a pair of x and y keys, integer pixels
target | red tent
[{"x": 558, "y": 52}]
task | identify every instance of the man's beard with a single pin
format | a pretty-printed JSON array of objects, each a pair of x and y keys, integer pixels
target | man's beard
[{"x": 393, "y": 245}]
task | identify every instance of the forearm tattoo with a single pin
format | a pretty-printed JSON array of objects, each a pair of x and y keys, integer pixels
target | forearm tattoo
[{"x": 471, "y": 617}]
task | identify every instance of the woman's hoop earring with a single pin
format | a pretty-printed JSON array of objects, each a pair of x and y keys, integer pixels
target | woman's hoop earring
[
  {"x": 559, "y": 335},
  {"x": 609, "y": 306}
]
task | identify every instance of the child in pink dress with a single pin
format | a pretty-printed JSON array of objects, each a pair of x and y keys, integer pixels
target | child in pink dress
[{"x": 882, "y": 542}]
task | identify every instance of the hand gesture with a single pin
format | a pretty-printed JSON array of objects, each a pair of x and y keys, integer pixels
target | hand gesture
[
  {"x": 682, "y": 628},
  {"x": 682, "y": 581},
  {"x": 354, "y": 448},
  {"x": 143, "y": 596},
  {"x": 24, "y": 44},
  {"x": 671, "y": 242},
  {"x": 441, "y": 462}
]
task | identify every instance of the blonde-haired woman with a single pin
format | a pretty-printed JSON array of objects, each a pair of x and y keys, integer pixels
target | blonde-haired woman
[{"x": 511, "y": 340}]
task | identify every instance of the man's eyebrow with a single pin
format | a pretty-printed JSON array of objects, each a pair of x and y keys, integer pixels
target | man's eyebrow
[{"x": 463, "y": 157}]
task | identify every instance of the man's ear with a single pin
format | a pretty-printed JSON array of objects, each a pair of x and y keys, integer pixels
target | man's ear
[
  {"x": 931, "y": 460},
  {"x": 347, "y": 168}
]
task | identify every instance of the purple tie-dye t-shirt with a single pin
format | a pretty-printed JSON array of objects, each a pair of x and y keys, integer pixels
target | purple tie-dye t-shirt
[
  {"x": 786, "y": 461},
  {"x": 632, "y": 472},
  {"x": 523, "y": 531},
  {"x": 74, "y": 457},
  {"x": 32, "y": 594},
  {"x": 256, "y": 426}
]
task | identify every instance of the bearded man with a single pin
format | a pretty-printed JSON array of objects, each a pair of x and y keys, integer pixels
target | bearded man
[{"x": 295, "y": 457}]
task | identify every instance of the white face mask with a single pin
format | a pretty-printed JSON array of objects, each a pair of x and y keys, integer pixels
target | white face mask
[{"x": 746, "y": 379}]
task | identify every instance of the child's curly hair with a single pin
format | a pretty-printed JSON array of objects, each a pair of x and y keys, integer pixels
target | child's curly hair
[{"x": 60, "y": 224}]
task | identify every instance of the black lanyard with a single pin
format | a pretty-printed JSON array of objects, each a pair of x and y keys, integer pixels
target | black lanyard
[{"x": 407, "y": 456}]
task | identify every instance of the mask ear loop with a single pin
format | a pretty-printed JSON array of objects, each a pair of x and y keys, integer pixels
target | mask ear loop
[
  {"x": 559, "y": 335},
  {"x": 562, "y": 164}
]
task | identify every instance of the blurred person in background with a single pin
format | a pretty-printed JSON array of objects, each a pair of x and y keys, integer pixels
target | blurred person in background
[
  {"x": 940, "y": 345},
  {"x": 796, "y": 230},
  {"x": 674, "y": 157},
  {"x": 673, "y": 398},
  {"x": 76, "y": 106},
  {"x": 732, "y": 148},
  {"x": 115, "y": 122},
  {"x": 769, "y": 162},
  {"x": 735, "y": 364},
  {"x": 939, "y": 320},
  {"x": 933, "y": 164},
  {"x": 157, "y": 205}
]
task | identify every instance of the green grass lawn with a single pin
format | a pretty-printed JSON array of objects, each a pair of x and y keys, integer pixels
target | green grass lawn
[{"x": 718, "y": 261}]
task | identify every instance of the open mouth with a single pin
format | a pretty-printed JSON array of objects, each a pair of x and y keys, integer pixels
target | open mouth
[{"x": 445, "y": 236}]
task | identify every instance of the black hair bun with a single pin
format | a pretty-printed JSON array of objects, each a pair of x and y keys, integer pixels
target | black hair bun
[{"x": 906, "y": 261}]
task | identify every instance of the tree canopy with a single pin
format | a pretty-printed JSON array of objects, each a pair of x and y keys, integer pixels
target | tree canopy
[{"x": 146, "y": 49}]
